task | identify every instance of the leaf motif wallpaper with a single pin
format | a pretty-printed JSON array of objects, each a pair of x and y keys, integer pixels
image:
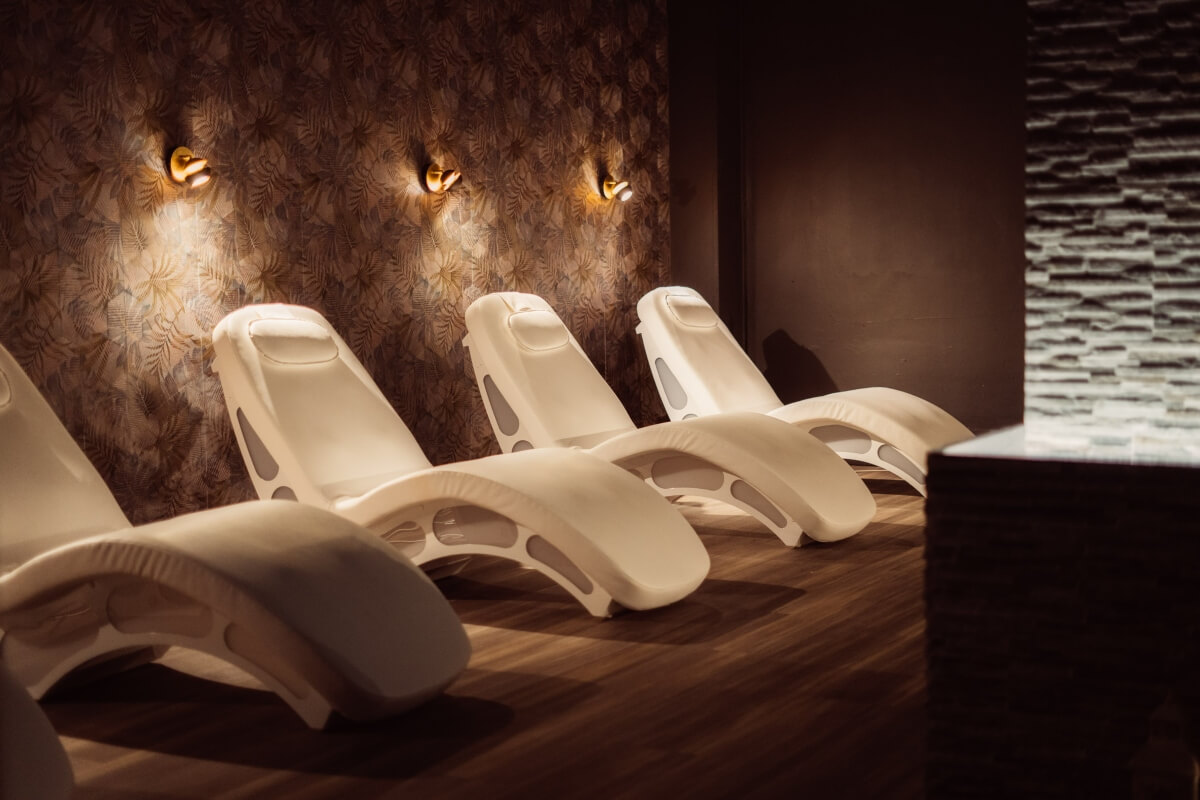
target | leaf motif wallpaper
[{"x": 317, "y": 120}]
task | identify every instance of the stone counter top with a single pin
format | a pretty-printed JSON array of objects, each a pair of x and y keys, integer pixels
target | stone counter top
[{"x": 1059, "y": 441}]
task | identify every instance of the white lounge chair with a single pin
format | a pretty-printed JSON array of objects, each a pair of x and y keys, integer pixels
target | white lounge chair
[
  {"x": 33, "y": 764},
  {"x": 540, "y": 390},
  {"x": 310, "y": 604},
  {"x": 700, "y": 370},
  {"x": 313, "y": 426}
]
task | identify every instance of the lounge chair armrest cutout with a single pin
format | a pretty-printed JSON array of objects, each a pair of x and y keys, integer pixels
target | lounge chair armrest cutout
[
  {"x": 596, "y": 515},
  {"x": 735, "y": 443}
]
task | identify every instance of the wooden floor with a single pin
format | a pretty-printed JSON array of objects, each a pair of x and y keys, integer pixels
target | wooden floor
[{"x": 789, "y": 673}]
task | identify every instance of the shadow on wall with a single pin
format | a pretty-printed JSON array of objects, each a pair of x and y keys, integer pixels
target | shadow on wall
[{"x": 794, "y": 371}]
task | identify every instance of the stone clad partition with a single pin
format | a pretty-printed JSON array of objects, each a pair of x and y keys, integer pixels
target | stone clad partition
[
  {"x": 318, "y": 119},
  {"x": 1113, "y": 216},
  {"x": 1062, "y": 622}
]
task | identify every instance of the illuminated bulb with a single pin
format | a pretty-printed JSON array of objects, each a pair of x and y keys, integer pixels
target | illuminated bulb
[
  {"x": 439, "y": 180},
  {"x": 186, "y": 168},
  {"x": 619, "y": 189}
]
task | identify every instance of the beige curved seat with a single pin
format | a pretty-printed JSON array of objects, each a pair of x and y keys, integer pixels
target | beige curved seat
[
  {"x": 540, "y": 390},
  {"x": 700, "y": 370},
  {"x": 312, "y": 425},
  {"x": 33, "y": 764},
  {"x": 312, "y": 605}
]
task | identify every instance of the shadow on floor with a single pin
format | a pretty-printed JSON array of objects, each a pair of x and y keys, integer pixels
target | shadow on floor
[
  {"x": 167, "y": 711},
  {"x": 504, "y": 596},
  {"x": 890, "y": 486}
]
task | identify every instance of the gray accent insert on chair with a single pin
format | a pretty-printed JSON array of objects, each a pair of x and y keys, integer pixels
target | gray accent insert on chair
[
  {"x": 474, "y": 525},
  {"x": 843, "y": 439},
  {"x": 892, "y": 456},
  {"x": 686, "y": 472},
  {"x": 541, "y": 550},
  {"x": 676, "y": 396},
  {"x": 264, "y": 464},
  {"x": 747, "y": 494},
  {"x": 506, "y": 418}
]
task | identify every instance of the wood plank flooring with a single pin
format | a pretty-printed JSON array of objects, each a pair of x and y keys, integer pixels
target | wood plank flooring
[{"x": 789, "y": 673}]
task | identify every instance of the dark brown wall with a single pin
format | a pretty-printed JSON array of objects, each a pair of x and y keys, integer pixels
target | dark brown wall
[
  {"x": 694, "y": 145},
  {"x": 318, "y": 119},
  {"x": 706, "y": 154},
  {"x": 883, "y": 160}
]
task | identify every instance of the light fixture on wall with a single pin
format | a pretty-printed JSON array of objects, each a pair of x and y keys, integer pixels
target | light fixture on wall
[
  {"x": 185, "y": 167},
  {"x": 438, "y": 180},
  {"x": 611, "y": 187}
]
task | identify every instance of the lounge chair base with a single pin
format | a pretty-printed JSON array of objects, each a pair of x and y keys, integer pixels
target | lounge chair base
[
  {"x": 438, "y": 532},
  {"x": 856, "y": 445},
  {"x": 594, "y": 599},
  {"x": 675, "y": 474},
  {"x": 85, "y": 627},
  {"x": 669, "y": 472},
  {"x": 678, "y": 470},
  {"x": 436, "y": 535}
]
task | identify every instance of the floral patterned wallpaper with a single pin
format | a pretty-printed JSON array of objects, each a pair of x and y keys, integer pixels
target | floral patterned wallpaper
[{"x": 317, "y": 120}]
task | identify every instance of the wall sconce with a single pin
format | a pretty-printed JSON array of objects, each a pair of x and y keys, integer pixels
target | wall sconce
[
  {"x": 438, "y": 180},
  {"x": 186, "y": 168},
  {"x": 611, "y": 187}
]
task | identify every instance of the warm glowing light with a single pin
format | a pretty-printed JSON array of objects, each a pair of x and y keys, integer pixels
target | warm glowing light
[
  {"x": 185, "y": 167},
  {"x": 439, "y": 180},
  {"x": 621, "y": 190}
]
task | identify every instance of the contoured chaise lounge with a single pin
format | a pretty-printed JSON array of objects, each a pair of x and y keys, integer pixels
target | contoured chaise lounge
[
  {"x": 541, "y": 390},
  {"x": 310, "y": 604},
  {"x": 313, "y": 426},
  {"x": 700, "y": 370}
]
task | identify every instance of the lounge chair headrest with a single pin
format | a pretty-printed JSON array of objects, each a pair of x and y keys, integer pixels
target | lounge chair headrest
[
  {"x": 292, "y": 341},
  {"x": 5, "y": 390},
  {"x": 537, "y": 329},
  {"x": 691, "y": 311}
]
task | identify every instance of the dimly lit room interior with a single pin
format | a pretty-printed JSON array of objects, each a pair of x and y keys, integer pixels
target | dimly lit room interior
[{"x": 254, "y": 253}]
